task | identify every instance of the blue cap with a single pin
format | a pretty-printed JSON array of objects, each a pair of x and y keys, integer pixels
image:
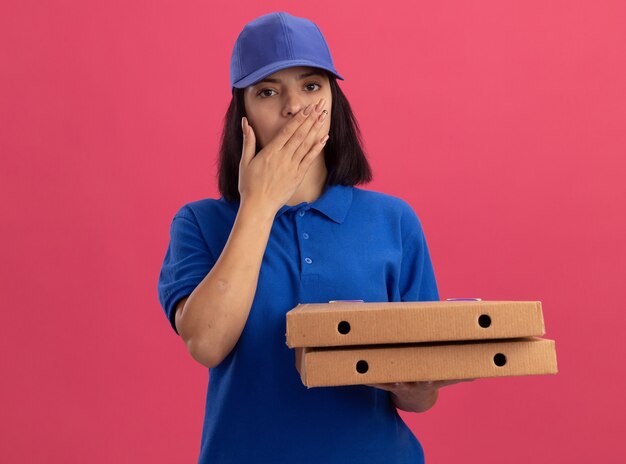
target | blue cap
[{"x": 277, "y": 41}]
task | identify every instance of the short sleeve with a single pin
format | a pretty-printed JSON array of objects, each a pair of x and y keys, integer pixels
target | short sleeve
[
  {"x": 187, "y": 261},
  {"x": 417, "y": 275}
]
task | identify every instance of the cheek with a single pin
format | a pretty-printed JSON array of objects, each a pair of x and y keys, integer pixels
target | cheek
[
  {"x": 259, "y": 134},
  {"x": 261, "y": 130}
]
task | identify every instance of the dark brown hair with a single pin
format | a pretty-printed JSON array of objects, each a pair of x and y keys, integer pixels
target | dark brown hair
[{"x": 344, "y": 156}]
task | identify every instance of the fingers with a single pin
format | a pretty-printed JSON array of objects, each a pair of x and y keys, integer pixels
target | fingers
[
  {"x": 289, "y": 130},
  {"x": 249, "y": 142},
  {"x": 314, "y": 135},
  {"x": 445, "y": 383},
  {"x": 399, "y": 386},
  {"x": 312, "y": 155},
  {"x": 425, "y": 384},
  {"x": 382, "y": 386},
  {"x": 300, "y": 136}
]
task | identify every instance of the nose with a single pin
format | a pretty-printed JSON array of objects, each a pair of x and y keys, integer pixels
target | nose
[{"x": 293, "y": 103}]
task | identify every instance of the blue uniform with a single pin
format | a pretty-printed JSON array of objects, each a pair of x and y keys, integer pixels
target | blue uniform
[{"x": 349, "y": 244}]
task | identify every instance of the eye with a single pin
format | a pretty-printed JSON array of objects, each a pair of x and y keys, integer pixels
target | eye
[
  {"x": 313, "y": 83},
  {"x": 262, "y": 93}
]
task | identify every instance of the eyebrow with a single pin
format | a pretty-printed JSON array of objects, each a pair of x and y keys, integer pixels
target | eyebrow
[{"x": 300, "y": 77}]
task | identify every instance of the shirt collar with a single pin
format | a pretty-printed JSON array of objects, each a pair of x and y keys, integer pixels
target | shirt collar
[{"x": 334, "y": 202}]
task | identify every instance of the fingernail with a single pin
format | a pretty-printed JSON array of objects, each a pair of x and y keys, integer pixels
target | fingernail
[
  {"x": 307, "y": 110},
  {"x": 320, "y": 105},
  {"x": 323, "y": 115},
  {"x": 325, "y": 139}
]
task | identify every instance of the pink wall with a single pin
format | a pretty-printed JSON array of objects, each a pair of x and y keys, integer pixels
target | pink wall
[{"x": 502, "y": 123}]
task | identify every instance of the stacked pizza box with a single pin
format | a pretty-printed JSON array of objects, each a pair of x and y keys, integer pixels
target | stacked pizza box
[{"x": 354, "y": 342}]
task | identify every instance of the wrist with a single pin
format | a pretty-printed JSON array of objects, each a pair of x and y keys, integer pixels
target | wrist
[{"x": 259, "y": 211}]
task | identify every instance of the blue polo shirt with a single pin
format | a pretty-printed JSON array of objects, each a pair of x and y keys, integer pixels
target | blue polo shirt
[{"x": 349, "y": 244}]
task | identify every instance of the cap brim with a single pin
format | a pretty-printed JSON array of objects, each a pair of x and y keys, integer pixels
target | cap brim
[{"x": 272, "y": 68}]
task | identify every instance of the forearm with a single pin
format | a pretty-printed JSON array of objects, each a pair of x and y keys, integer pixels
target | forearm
[
  {"x": 217, "y": 310},
  {"x": 420, "y": 401}
]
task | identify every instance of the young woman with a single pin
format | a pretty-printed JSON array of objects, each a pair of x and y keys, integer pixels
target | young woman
[{"x": 291, "y": 227}]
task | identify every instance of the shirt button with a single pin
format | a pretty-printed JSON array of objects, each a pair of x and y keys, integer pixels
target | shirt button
[
  {"x": 306, "y": 236},
  {"x": 302, "y": 212},
  {"x": 308, "y": 260}
]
